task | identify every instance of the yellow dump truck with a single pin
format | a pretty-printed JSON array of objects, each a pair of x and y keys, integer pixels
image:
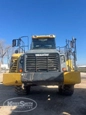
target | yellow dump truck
[{"x": 43, "y": 64}]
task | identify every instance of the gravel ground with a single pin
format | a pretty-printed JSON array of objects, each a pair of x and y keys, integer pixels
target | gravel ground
[{"x": 49, "y": 102}]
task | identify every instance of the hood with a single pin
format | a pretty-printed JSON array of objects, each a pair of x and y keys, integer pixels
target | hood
[{"x": 43, "y": 51}]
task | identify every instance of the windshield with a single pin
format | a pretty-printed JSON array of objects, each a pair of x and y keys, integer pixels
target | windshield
[{"x": 43, "y": 43}]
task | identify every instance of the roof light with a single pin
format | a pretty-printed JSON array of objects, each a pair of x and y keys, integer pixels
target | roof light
[{"x": 43, "y": 36}]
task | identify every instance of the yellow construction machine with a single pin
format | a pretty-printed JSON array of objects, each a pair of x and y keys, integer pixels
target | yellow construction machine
[{"x": 43, "y": 64}]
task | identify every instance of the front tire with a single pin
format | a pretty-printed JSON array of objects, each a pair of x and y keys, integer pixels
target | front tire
[
  {"x": 67, "y": 90},
  {"x": 22, "y": 91}
]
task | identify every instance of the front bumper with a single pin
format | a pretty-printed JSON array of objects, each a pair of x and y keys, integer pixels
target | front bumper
[
  {"x": 42, "y": 78},
  {"x": 12, "y": 79}
]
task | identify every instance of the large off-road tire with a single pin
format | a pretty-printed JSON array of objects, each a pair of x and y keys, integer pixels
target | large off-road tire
[
  {"x": 67, "y": 90},
  {"x": 22, "y": 91}
]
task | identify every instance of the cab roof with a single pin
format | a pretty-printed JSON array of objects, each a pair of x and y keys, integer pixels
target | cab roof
[{"x": 43, "y": 36}]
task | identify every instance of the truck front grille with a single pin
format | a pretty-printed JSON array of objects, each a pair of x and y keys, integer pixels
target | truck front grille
[{"x": 42, "y": 63}]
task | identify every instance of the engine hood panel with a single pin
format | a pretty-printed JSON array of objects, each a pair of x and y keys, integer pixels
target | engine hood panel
[{"x": 43, "y": 51}]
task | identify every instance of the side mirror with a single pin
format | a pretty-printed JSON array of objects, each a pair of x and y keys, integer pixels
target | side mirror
[
  {"x": 73, "y": 43},
  {"x": 14, "y": 43}
]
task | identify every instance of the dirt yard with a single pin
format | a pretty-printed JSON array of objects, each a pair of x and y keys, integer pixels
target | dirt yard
[{"x": 49, "y": 102}]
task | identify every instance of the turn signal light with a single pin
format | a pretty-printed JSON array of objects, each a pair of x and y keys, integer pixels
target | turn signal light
[
  {"x": 64, "y": 69},
  {"x": 20, "y": 70}
]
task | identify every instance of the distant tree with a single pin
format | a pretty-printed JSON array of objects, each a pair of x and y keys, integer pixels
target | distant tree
[
  {"x": 2, "y": 50},
  {"x": 5, "y": 51},
  {"x": 9, "y": 53}
]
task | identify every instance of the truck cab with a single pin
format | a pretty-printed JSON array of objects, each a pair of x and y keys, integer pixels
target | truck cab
[{"x": 43, "y": 42}]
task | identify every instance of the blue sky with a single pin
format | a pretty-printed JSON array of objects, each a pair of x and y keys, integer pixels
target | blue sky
[{"x": 64, "y": 18}]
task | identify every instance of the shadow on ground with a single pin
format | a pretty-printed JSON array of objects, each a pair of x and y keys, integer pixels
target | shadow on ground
[{"x": 49, "y": 102}]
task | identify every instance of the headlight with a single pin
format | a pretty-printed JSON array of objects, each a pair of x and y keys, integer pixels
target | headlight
[{"x": 21, "y": 61}]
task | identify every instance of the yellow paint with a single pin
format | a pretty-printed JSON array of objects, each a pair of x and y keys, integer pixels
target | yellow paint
[
  {"x": 12, "y": 79},
  {"x": 15, "y": 78},
  {"x": 72, "y": 77},
  {"x": 16, "y": 55},
  {"x": 69, "y": 65}
]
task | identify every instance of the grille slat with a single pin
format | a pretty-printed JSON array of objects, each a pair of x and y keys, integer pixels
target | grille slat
[{"x": 42, "y": 63}]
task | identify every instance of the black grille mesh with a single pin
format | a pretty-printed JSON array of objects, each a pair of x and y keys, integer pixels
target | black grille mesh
[{"x": 42, "y": 63}]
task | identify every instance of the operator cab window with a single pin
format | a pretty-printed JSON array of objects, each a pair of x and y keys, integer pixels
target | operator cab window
[{"x": 43, "y": 43}]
